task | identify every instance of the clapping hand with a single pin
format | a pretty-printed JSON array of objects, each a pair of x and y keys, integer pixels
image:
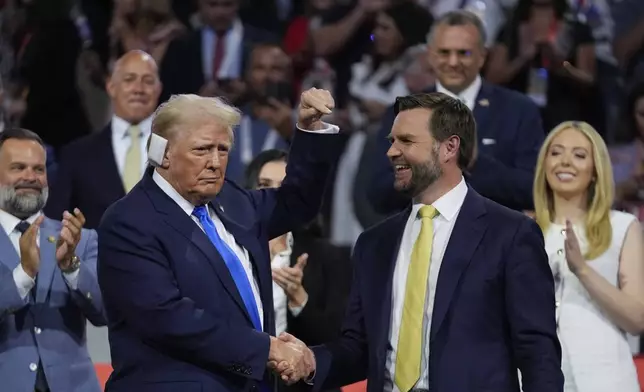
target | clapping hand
[
  {"x": 291, "y": 359},
  {"x": 574, "y": 257},
  {"x": 290, "y": 279},
  {"x": 29, "y": 250},
  {"x": 70, "y": 235}
]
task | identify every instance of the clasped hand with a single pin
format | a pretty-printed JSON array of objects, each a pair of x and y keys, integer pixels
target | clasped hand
[{"x": 290, "y": 358}]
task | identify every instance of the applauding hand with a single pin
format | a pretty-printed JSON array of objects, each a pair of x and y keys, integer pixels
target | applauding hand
[{"x": 290, "y": 279}]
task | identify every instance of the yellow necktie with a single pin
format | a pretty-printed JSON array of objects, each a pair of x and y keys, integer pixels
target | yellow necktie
[
  {"x": 410, "y": 338},
  {"x": 132, "y": 167}
]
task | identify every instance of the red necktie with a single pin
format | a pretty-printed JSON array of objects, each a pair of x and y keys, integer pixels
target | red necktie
[{"x": 218, "y": 57}]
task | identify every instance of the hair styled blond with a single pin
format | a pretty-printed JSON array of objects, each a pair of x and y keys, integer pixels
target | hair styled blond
[
  {"x": 186, "y": 110},
  {"x": 600, "y": 192}
]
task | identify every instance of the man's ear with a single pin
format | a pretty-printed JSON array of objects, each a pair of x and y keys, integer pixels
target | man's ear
[{"x": 452, "y": 147}]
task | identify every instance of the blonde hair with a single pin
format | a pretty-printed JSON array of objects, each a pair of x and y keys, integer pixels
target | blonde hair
[
  {"x": 600, "y": 192},
  {"x": 186, "y": 109}
]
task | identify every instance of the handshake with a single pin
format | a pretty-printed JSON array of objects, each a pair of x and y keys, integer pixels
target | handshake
[{"x": 291, "y": 359}]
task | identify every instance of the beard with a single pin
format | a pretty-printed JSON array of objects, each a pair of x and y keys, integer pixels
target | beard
[
  {"x": 422, "y": 174},
  {"x": 20, "y": 205}
]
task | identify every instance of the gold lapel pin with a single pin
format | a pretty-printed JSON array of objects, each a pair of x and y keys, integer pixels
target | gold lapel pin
[
  {"x": 484, "y": 102},
  {"x": 51, "y": 239}
]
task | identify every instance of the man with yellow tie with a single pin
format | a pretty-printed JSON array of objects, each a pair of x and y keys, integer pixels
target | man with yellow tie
[
  {"x": 454, "y": 294},
  {"x": 97, "y": 170}
]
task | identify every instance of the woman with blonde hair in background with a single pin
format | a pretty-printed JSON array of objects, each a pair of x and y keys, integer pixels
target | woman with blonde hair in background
[{"x": 597, "y": 259}]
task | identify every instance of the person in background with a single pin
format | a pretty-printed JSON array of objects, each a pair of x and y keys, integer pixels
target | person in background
[
  {"x": 267, "y": 121},
  {"x": 210, "y": 61},
  {"x": 99, "y": 169},
  {"x": 48, "y": 284},
  {"x": 147, "y": 25},
  {"x": 627, "y": 155},
  {"x": 310, "y": 289},
  {"x": 508, "y": 123},
  {"x": 549, "y": 55},
  {"x": 595, "y": 255}
]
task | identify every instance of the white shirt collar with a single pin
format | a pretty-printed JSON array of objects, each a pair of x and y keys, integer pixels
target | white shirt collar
[
  {"x": 120, "y": 127},
  {"x": 169, "y": 190},
  {"x": 447, "y": 205},
  {"x": 9, "y": 222},
  {"x": 468, "y": 95}
]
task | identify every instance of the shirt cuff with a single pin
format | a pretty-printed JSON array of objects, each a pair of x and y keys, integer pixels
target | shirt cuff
[
  {"x": 24, "y": 282},
  {"x": 296, "y": 310},
  {"x": 72, "y": 279},
  {"x": 328, "y": 128}
]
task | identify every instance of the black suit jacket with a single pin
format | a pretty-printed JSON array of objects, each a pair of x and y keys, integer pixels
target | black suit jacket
[
  {"x": 182, "y": 67},
  {"x": 87, "y": 178}
]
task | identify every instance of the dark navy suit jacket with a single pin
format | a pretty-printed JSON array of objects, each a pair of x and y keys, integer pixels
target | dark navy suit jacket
[
  {"x": 510, "y": 135},
  {"x": 176, "y": 319},
  {"x": 494, "y": 310},
  {"x": 87, "y": 178}
]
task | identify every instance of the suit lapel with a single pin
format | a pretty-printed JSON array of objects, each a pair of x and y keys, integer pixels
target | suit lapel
[
  {"x": 8, "y": 255},
  {"x": 182, "y": 223},
  {"x": 466, "y": 235},
  {"x": 48, "y": 239},
  {"x": 386, "y": 254},
  {"x": 482, "y": 109}
]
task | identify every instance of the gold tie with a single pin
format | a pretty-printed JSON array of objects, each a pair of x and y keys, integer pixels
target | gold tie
[
  {"x": 410, "y": 338},
  {"x": 132, "y": 168}
]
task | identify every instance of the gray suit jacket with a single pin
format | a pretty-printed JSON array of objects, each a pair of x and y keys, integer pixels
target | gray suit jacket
[{"x": 51, "y": 328}]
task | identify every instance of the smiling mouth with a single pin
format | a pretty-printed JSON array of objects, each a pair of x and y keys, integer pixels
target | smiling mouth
[
  {"x": 565, "y": 176},
  {"x": 401, "y": 169}
]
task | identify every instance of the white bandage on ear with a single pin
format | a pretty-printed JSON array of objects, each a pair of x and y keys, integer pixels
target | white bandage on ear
[{"x": 156, "y": 149}]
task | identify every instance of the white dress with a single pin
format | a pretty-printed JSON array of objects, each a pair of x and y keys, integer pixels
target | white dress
[{"x": 596, "y": 353}]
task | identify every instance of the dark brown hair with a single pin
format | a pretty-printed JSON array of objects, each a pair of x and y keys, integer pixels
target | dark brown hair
[{"x": 449, "y": 117}]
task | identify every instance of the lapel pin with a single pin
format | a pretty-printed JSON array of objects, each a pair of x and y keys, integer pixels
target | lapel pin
[
  {"x": 484, "y": 102},
  {"x": 51, "y": 239}
]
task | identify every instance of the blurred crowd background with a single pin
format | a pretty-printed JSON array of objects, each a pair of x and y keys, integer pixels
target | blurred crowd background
[{"x": 578, "y": 60}]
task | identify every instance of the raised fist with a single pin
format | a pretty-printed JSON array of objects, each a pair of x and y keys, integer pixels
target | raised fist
[{"x": 314, "y": 103}]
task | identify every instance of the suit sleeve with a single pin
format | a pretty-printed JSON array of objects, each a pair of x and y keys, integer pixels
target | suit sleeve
[
  {"x": 10, "y": 299},
  {"x": 136, "y": 278},
  {"x": 87, "y": 295},
  {"x": 345, "y": 360},
  {"x": 511, "y": 186},
  {"x": 61, "y": 197},
  {"x": 312, "y": 157},
  {"x": 382, "y": 195},
  {"x": 530, "y": 303}
]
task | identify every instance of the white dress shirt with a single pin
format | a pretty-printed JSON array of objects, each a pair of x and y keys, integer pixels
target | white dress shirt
[
  {"x": 467, "y": 96},
  {"x": 448, "y": 207},
  {"x": 121, "y": 141},
  {"x": 24, "y": 282}
]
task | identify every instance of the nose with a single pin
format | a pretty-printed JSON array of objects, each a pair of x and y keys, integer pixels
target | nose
[
  {"x": 452, "y": 59},
  {"x": 393, "y": 152},
  {"x": 214, "y": 162}
]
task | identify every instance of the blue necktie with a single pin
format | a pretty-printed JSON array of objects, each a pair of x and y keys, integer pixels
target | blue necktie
[{"x": 232, "y": 262}]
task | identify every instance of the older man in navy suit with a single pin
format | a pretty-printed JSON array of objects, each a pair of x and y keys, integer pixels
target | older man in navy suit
[
  {"x": 184, "y": 261},
  {"x": 48, "y": 286},
  {"x": 509, "y": 125},
  {"x": 454, "y": 293}
]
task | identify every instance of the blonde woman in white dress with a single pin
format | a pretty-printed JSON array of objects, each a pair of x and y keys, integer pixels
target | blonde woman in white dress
[{"x": 597, "y": 258}]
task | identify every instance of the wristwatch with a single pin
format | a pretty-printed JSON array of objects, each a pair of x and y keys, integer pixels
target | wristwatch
[{"x": 74, "y": 264}]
